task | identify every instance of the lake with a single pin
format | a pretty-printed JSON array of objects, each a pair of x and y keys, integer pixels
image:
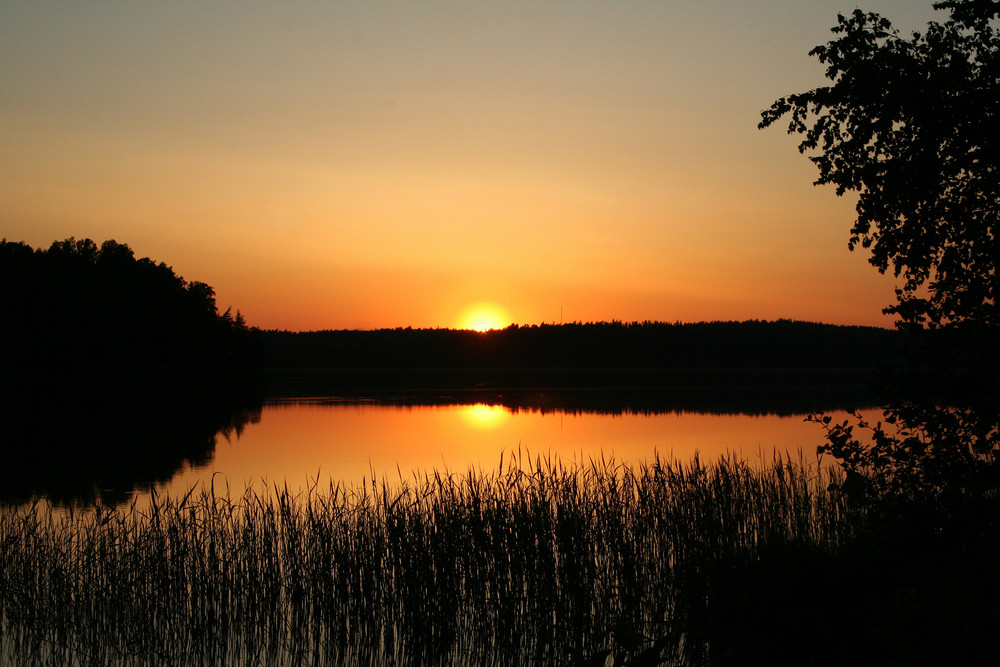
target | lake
[
  {"x": 301, "y": 441},
  {"x": 494, "y": 569},
  {"x": 74, "y": 444}
]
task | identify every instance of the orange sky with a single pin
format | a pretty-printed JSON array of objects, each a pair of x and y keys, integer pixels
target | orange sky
[{"x": 361, "y": 165}]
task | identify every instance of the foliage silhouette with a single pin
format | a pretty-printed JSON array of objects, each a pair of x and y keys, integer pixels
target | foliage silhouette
[
  {"x": 82, "y": 308},
  {"x": 912, "y": 125}
]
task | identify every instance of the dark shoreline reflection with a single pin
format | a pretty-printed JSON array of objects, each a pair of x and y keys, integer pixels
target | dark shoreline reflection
[
  {"x": 753, "y": 392},
  {"x": 82, "y": 440},
  {"x": 79, "y": 441}
]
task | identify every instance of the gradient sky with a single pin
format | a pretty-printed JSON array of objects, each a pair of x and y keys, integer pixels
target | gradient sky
[{"x": 375, "y": 164}]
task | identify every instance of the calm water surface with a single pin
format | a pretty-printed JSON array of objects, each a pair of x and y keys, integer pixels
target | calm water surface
[{"x": 299, "y": 442}]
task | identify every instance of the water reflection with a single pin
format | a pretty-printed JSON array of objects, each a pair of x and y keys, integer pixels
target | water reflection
[
  {"x": 299, "y": 443},
  {"x": 484, "y": 416},
  {"x": 492, "y": 568},
  {"x": 77, "y": 442}
]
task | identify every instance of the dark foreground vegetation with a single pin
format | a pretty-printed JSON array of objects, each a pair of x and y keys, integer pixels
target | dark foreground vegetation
[{"x": 534, "y": 563}]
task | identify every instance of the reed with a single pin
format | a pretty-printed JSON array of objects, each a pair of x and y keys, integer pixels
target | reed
[{"x": 537, "y": 561}]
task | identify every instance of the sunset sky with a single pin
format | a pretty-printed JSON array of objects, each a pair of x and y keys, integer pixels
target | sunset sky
[{"x": 359, "y": 165}]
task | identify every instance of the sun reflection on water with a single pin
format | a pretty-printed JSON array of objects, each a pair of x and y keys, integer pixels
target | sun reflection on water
[{"x": 484, "y": 416}]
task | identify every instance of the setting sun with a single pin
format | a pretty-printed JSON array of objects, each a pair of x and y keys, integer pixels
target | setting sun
[{"x": 483, "y": 316}]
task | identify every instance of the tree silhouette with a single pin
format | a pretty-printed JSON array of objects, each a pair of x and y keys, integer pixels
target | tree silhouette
[
  {"x": 911, "y": 123},
  {"x": 82, "y": 308}
]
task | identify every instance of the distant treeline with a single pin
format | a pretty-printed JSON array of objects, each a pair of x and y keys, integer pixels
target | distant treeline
[
  {"x": 749, "y": 344},
  {"x": 580, "y": 355},
  {"x": 77, "y": 307}
]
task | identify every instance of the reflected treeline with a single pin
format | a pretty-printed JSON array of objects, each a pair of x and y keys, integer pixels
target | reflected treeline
[
  {"x": 614, "y": 354},
  {"x": 83, "y": 440},
  {"x": 762, "y": 393}
]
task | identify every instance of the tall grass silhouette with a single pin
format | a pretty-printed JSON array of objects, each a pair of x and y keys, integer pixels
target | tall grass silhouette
[{"x": 536, "y": 562}]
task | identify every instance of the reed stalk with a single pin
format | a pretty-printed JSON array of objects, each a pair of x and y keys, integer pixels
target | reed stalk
[{"x": 535, "y": 562}]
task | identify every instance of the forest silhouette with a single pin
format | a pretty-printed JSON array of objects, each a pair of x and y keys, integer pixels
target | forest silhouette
[
  {"x": 596, "y": 345},
  {"x": 77, "y": 307},
  {"x": 758, "y": 367}
]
